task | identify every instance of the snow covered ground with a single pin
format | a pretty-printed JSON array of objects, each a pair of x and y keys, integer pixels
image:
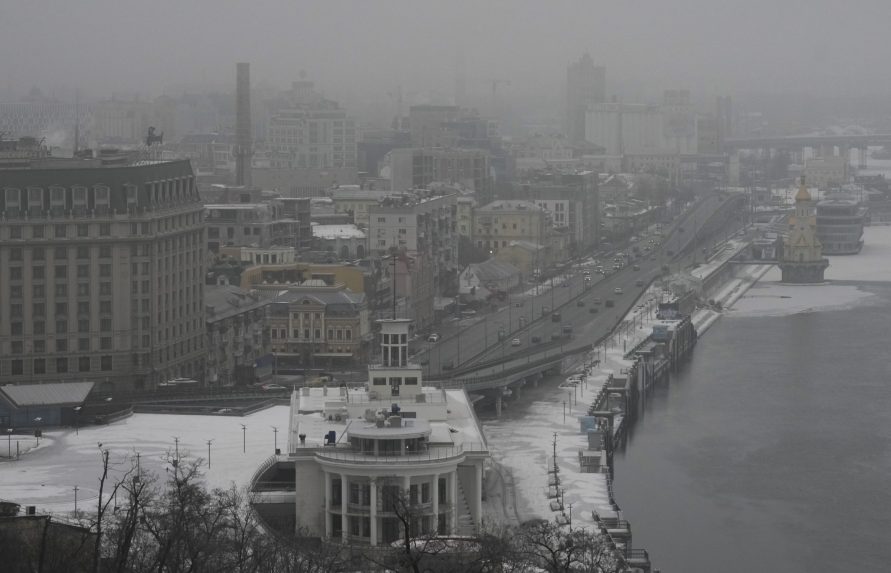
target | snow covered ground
[
  {"x": 46, "y": 477},
  {"x": 769, "y": 297}
]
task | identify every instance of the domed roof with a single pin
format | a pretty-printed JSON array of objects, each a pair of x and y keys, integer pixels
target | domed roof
[{"x": 803, "y": 194}]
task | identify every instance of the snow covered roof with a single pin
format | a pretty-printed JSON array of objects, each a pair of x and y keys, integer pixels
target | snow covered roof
[
  {"x": 337, "y": 231},
  {"x": 493, "y": 270},
  {"x": 56, "y": 394}
]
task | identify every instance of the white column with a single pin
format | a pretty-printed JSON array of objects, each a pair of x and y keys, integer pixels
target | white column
[
  {"x": 344, "y": 493},
  {"x": 373, "y": 513},
  {"x": 453, "y": 526},
  {"x": 328, "y": 490},
  {"x": 477, "y": 503},
  {"x": 435, "y": 490}
]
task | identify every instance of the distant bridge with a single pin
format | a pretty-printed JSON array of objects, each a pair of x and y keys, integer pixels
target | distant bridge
[{"x": 802, "y": 141}]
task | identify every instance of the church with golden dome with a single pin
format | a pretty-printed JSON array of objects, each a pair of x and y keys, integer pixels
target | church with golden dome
[{"x": 803, "y": 261}]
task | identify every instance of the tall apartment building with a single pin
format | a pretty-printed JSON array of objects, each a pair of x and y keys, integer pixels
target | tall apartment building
[
  {"x": 310, "y": 145},
  {"x": 500, "y": 223},
  {"x": 103, "y": 272},
  {"x": 415, "y": 168},
  {"x": 585, "y": 85},
  {"x": 571, "y": 199},
  {"x": 280, "y": 222},
  {"x": 424, "y": 230}
]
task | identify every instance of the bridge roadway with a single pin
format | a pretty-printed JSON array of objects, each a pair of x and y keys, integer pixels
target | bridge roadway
[
  {"x": 501, "y": 363},
  {"x": 800, "y": 141}
]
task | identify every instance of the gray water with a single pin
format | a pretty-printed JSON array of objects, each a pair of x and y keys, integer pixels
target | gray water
[{"x": 771, "y": 450}]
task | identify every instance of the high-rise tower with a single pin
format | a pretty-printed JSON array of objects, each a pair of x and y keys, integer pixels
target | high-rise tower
[{"x": 243, "y": 138}]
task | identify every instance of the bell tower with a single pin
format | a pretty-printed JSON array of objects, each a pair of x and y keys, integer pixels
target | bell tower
[{"x": 803, "y": 261}]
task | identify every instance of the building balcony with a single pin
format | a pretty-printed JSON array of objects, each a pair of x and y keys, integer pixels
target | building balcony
[{"x": 433, "y": 454}]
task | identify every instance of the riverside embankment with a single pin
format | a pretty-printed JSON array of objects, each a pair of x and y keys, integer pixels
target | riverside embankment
[{"x": 549, "y": 427}]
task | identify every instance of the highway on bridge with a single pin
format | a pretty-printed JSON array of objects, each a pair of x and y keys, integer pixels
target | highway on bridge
[{"x": 478, "y": 344}]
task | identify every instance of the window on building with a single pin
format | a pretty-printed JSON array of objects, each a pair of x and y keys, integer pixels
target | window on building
[
  {"x": 15, "y": 273},
  {"x": 39, "y": 327},
  {"x": 17, "y": 346},
  {"x": 61, "y": 345},
  {"x": 17, "y": 367},
  {"x": 105, "y": 363},
  {"x": 60, "y": 231},
  {"x": 61, "y": 271},
  {"x": 39, "y": 346},
  {"x": 425, "y": 492},
  {"x": 16, "y": 328},
  {"x": 105, "y": 343},
  {"x": 83, "y": 230},
  {"x": 61, "y": 365},
  {"x": 83, "y": 344},
  {"x": 83, "y": 364}
]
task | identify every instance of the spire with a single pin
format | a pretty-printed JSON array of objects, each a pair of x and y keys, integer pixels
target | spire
[{"x": 802, "y": 194}]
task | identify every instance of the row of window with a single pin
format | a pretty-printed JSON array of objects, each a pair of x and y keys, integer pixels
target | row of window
[
  {"x": 60, "y": 231},
  {"x": 38, "y": 309},
  {"x": 333, "y": 334},
  {"x": 59, "y": 253},
  {"x": 38, "y": 327},
  {"x": 62, "y": 364},
  {"x": 39, "y": 345}
]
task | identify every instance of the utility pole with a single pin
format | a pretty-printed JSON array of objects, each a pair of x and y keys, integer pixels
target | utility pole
[
  {"x": 243, "y": 438},
  {"x": 209, "y": 442},
  {"x": 275, "y": 439},
  {"x": 75, "y": 500}
]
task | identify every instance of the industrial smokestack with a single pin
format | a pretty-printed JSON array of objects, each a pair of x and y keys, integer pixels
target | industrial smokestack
[{"x": 243, "y": 142}]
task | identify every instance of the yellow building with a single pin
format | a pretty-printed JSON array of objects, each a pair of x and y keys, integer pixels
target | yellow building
[
  {"x": 466, "y": 206},
  {"x": 500, "y": 223},
  {"x": 280, "y": 277}
]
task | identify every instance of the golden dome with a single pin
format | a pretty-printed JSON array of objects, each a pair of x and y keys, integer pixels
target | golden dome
[{"x": 802, "y": 194}]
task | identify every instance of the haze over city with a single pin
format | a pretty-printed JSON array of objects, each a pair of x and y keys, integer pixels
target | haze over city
[
  {"x": 468, "y": 285},
  {"x": 359, "y": 49}
]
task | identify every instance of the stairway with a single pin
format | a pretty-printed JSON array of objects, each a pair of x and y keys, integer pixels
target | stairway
[{"x": 466, "y": 526}]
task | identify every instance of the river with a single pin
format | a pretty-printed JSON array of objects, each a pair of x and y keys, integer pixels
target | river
[{"x": 771, "y": 449}]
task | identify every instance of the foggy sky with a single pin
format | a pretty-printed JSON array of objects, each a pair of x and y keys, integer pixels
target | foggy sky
[{"x": 370, "y": 46}]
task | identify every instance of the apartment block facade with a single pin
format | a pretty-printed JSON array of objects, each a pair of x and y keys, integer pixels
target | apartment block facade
[{"x": 103, "y": 275}]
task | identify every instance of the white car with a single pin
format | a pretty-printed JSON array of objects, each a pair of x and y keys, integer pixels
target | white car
[
  {"x": 618, "y": 290},
  {"x": 433, "y": 338},
  {"x": 515, "y": 342}
]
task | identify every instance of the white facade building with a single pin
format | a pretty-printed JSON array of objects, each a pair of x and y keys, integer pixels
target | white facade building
[{"x": 357, "y": 458}]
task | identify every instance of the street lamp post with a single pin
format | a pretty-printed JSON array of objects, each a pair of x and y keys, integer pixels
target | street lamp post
[
  {"x": 77, "y": 410},
  {"x": 209, "y": 442},
  {"x": 37, "y": 421},
  {"x": 275, "y": 439},
  {"x": 243, "y": 438},
  {"x": 75, "y": 500},
  {"x": 9, "y": 440}
]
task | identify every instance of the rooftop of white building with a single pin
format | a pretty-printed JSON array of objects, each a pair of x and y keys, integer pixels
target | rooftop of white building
[{"x": 447, "y": 415}]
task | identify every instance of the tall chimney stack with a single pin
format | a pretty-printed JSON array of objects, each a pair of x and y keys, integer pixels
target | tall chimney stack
[{"x": 243, "y": 143}]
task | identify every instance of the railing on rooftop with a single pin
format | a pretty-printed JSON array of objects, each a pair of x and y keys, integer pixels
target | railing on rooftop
[{"x": 431, "y": 454}]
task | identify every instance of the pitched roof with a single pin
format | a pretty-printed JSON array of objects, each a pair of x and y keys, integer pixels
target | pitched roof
[
  {"x": 493, "y": 270},
  {"x": 56, "y": 394}
]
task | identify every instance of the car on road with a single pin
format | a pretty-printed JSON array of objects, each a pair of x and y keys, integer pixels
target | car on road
[
  {"x": 618, "y": 290},
  {"x": 556, "y": 336},
  {"x": 535, "y": 339},
  {"x": 515, "y": 342},
  {"x": 609, "y": 303},
  {"x": 433, "y": 338},
  {"x": 638, "y": 283},
  {"x": 272, "y": 387},
  {"x": 580, "y": 303},
  {"x": 556, "y": 317},
  {"x": 450, "y": 365},
  {"x": 545, "y": 310},
  {"x": 567, "y": 329},
  {"x": 636, "y": 267},
  {"x": 593, "y": 310}
]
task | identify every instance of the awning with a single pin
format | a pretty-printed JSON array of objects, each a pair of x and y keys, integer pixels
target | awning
[{"x": 334, "y": 354}]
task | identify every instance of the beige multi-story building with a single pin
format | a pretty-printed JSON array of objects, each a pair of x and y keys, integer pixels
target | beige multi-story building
[
  {"x": 466, "y": 205},
  {"x": 503, "y": 222},
  {"x": 422, "y": 230},
  {"x": 319, "y": 326},
  {"x": 416, "y": 168},
  {"x": 103, "y": 272}
]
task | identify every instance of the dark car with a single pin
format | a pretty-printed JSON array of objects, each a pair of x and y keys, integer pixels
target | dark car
[
  {"x": 580, "y": 303},
  {"x": 535, "y": 339},
  {"x": 609, "y": 303},
  {"x": 593, "y": 310},
  {"x": 555, "y": 336}
]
